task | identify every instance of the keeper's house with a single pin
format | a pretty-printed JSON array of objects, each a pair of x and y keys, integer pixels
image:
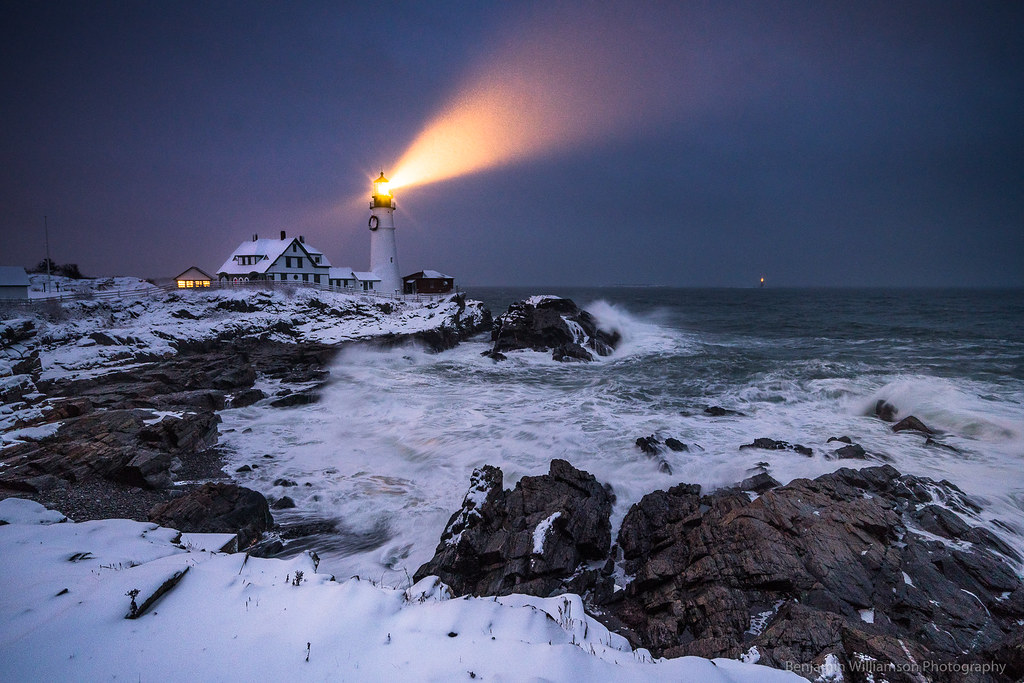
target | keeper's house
[
  {"x": 13, "y": 282},
  {"x": 193, "y": 277},
  {"x": 282, "y": 260},
  {"x": 427, "y": 282},
  {"x": 290, "y": 260}
]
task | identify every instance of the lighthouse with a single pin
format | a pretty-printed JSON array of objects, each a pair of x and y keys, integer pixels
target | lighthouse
[{"x": 383, "y": 250}]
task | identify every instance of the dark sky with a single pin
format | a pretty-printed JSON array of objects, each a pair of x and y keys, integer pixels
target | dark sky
[{"x": 707, "y": 144}]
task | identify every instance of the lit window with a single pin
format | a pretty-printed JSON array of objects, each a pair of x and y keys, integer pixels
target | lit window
[{"x": 181, "y": 283}]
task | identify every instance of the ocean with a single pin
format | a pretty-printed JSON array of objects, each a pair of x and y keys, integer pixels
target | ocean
[{"x": 387, "y": 453}]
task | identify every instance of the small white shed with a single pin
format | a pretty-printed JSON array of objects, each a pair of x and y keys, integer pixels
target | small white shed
[{"x": 13, "y": 282}]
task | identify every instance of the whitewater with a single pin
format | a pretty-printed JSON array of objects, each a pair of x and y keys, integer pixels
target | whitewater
[{"x": 387, "y": 452}]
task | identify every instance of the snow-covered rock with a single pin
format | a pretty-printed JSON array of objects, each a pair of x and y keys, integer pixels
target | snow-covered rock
[{"x": 66, "y": 588}]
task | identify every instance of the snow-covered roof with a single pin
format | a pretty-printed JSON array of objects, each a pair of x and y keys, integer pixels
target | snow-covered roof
[
  {"x": 429, "y": 275},
  {"x": 192, "y": 272},
  {"x": 270, "y": 249},
  {"x": 342, "y": 274},
  {"x": 13, "y": 276},
  {"x": 367, "y": 277}
]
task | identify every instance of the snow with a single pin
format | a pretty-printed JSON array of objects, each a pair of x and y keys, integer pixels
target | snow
[
  {"x": 907, "y": 580},
  {"x": 867, "y": 615},
  {"x": 831, "y": 670},
  {"x": 541, "y": 532},
  {"x": 143, "y": 329},
  {"x": 64, "y": 598},
  {"x": 29, "y": 433},
  {"x": 435, "y": 275},
  {"x": 759, "y": 621}
]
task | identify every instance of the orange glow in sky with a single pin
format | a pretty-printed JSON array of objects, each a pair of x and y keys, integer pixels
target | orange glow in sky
[{"x": 541, "y": 92}]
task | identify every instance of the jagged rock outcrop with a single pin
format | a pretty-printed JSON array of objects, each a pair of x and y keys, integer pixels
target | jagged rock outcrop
[
  {"x": 836, "y": 566},
  {"x": 217, "y": 508},
  {"x": 773, "y": 445},
  {"x": 530, "y": 540},
  {"x": 117, "y": 445},
  {"x": 912, "y": 424},
  {"x": 548, "y": 323}
]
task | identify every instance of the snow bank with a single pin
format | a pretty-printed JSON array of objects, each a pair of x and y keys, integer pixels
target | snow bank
[{"x": 63, "y": 601}]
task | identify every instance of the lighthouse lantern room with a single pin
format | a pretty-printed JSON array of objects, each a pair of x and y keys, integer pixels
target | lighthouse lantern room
[{"x": 383, "y": 250}]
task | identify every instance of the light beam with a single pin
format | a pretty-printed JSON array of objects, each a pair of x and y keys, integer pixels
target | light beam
[{"x": 570, "y": 81}]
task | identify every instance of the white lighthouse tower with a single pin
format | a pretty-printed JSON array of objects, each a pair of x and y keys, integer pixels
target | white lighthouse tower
[{"x": 383, "y": 250}]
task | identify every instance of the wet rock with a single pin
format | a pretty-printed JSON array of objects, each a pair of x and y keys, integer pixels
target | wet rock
[
  {"x": 204, "y": 399},
  {"x": 885, "y": 411},
  {"x": 298, "y": 398},
  {"x": 830, "y": 566},
  {"x": 247, "y": 397},
  {"x": 283, "y": 503},
  {"x": 648, "y": 445},
  {"x": 911, "y": 423},
  {"x": 495, "y": 356},
  {"x": 773, "y": 445},
  {"x": 853, "y": 451},
  {"x": 676, "y": 445},
  {"x": 719, "y": 411},
  {"x": 571, "y": 352},
  {"x": 546, "y": 323},
  {"x": 759, "y": 483},
  {"x": 217, "y": 508},
  {"x": 244, "y": 468},
  {"x": 530, "y": 540},
  {"x": 840, "y": 439},
  {"x": 284, "y": 482}
]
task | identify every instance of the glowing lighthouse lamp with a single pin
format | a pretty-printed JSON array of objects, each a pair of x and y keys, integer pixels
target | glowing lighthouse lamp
[{"x": 383, "y": 250}]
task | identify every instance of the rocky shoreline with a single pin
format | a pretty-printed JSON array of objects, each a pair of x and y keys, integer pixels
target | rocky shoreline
[
  {"x": 144, "y": 432},
  {"x": 861, "y": 568},
  {"x": 868, "y": 568}
]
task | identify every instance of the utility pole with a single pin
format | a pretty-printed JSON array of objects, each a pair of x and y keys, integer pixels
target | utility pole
[{"x": 46, "y": 229}]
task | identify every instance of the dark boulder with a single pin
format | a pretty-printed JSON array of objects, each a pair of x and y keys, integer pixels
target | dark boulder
[
  {"x": 852, "y": 451},
  {"x": 217, "y": 508},
  {"x": 773, "y": 445},
  {"x": 885, "y": 410},
  {"x": 283, "y": 503},
  {"x": 825, "y": 567},
  {"x": 571, "y": 351},
  {"x": 246, "y": 397},
  {"x": 648, "y": 444},
  {"x": 911, "y": 423},
  {"x": 530, "y": 540},
  {"x": 298, "y": 398},
  {"x": 676, "y": 445},
  {"x": 546, "y": 323},
  {"x": 840, "y": 439},
  {"x": 651, "y": 447},
  {"x": 719, "y": 411},
  {"x": 759, "y": 483}
]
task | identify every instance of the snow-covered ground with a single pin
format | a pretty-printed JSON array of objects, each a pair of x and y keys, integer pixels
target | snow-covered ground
[
  {"x": 85, "y": 338},
  {"x": 64, "y": 598},
  {"x": 43, "y": 286}
]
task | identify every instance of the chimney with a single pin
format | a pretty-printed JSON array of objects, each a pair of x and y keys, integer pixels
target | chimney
[
  {"x": 302, "y": 239},
  {"x": 255, "y": 237},
  {"x": 282, "y": 234}
]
